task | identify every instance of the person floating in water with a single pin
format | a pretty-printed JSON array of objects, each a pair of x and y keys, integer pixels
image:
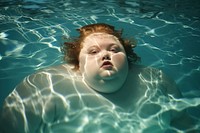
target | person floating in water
[{"x": 100, "y": 88}]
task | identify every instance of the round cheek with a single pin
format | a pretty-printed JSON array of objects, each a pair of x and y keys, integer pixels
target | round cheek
[
  {"x": 82, "y": 62},
  {"x": 120, "y": 60},
  {"x": 88, "y": 65}
]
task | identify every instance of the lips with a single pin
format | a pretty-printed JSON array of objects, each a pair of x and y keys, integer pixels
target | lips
[{"x": 107, "y": 64}]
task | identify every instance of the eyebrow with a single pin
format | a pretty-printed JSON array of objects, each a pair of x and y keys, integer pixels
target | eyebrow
[
  {"x": 114, "y": 44},
  {"x": 93, "y": 46},
  {"x": 109, "y": 45}
]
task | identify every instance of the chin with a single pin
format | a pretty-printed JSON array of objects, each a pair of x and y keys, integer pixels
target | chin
[
  {"x": 108, "y": 90},
  {"x": 108, "y": 74},
  {"x": 107, "y": 82},
  {"x": 107, "y": 86},
  {"x": 108, "y": 77}
]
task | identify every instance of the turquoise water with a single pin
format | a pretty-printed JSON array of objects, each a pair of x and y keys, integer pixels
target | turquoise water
[{"x": 167, "y": 33}]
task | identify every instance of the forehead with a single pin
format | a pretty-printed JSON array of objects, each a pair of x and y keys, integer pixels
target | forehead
[{"x": 100, "y": 39}]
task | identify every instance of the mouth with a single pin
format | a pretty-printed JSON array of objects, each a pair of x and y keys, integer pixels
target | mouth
[{"x": 107, "y": 65}]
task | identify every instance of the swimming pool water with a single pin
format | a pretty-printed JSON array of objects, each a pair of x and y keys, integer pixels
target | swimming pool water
[{"x": 167, "y": 33}]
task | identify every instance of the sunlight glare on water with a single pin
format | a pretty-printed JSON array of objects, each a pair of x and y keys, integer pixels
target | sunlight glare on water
[{"x": 31, "y": 33}]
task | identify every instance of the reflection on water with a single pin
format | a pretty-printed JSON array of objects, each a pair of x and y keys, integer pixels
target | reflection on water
[
  {"x": 168, "y": 37},
  {"x": 57, "y": 100}
]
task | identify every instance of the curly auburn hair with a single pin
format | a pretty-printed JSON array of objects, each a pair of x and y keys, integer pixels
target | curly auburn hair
[{"x": 72, "y": 49}]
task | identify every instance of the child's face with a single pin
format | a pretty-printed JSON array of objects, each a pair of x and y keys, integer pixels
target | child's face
[{"x": 103, "y": 60}]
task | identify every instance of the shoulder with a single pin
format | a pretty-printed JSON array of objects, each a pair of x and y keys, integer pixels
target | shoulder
[
  {"x": 153, "y": 76},
  {"x": 41, "y": 91},
  {"x": 43, "y": 79}
]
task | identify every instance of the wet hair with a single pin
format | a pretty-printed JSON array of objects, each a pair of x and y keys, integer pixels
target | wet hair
[{"x": 72, "y": 49}]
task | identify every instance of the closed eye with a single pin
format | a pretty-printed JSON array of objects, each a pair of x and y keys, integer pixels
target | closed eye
[
  {"x": 115, "y": 49},
  {"x": 93, "y": 51}
]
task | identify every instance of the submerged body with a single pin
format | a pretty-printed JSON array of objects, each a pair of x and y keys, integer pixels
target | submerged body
[
  {"x": 58, "y": 100},
  {"x": 106, "y": 92}
]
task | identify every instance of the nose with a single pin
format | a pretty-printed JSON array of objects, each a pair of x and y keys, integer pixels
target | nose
[{"x": 106, "y": 56}]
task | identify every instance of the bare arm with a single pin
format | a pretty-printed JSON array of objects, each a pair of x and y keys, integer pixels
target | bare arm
[
  {"x": 32, "y": 104},
  {"x": 180, "y": 118},
  {"x": 22, "y": 109}
]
